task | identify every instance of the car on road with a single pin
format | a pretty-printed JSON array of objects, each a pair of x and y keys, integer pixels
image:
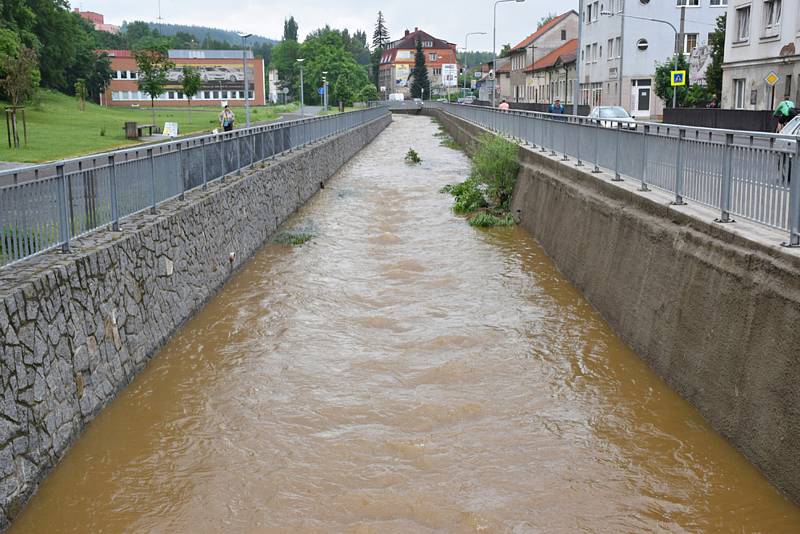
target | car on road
[{"x": 610, "y": 116}]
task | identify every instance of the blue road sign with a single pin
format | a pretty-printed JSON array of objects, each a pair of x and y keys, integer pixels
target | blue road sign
[{"x": 321, "y": 91}]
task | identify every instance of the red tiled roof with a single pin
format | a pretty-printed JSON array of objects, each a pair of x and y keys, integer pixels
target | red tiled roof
[
  {"x": 538, "y": 33},
  {"x": 503, "y": 65},
  {"x": 410, "y": 40},
  {"x": 567, "y": 53}
]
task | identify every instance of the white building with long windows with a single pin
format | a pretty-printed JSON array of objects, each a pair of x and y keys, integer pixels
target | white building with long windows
[
  {"x": 619, "y": 53},
  {"x": 762, "y": 37}
]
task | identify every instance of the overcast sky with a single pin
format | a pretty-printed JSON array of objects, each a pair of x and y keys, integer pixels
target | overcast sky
[{"x": 448, "y": 20}]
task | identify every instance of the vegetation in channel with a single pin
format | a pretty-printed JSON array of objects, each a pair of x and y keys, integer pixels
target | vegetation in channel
[
  {"x": 292, "y": 238},
  {"x": 412, "y": 158},
  {"x": 486, "y": 195}
]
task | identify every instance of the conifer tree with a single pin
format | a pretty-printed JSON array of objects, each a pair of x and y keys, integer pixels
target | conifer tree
[
  {"x": 421, "y": 86},
  {"x": 380, "y": 38}
]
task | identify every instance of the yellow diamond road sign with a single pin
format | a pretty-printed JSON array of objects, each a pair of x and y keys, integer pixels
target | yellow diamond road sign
[
  {"x": 678, "y": 78},
  {"x": 772, "y": 78}
]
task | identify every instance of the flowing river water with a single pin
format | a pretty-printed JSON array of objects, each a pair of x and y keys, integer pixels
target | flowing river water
[{"x": 401, "y": 372}]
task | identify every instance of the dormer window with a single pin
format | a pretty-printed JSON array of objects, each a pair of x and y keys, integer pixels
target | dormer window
[{"x": 427, "y": 44}]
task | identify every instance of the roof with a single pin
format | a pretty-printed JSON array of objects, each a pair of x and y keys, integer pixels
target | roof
[
  {"x": 566, "y": 53},
  {"x": 187, "y": 54},
  {"x": 544, "y": 29},
  {"x": 503, "y": 65},
  {"x": 409, "y": 40}
]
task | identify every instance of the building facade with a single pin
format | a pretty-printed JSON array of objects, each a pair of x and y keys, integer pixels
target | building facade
[
  {"x": 553, "y": 76},
  {"x": 397, "y": 62},
  {"x": 551, "y": 36},
  {"x": 618, "y": 54},
  {"x": 221, "y": 72},
  {"x": 762, "y": 37},
  {"x": 98, "y": 20}
]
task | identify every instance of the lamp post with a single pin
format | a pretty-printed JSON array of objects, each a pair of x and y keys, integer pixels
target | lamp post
[
  {"x": 302, "y": 108},
  {"x": 244, "y": 37},
  {"x": 494, "y": 46},
  {"x": 464, "y": 93},
  {"x": 677, "y": 41},
  {"x": 325, "y": 89}
]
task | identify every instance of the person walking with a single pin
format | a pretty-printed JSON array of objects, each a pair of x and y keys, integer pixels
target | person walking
[
  {"x": 227, "y": 119},
  {"x": 556, "y": 107},
  {"x": 503, "y": 105}
]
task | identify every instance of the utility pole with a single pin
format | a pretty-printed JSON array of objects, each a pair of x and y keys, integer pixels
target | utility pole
[
  {"x": 678, "y": 52},
  {"x": 244, "y": 37}
]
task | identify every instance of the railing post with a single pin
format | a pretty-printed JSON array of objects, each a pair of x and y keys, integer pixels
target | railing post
[
  {"x": 727, "y": 179},
  {"x": 152, "y": 160},
  {"x": 794, "y": 198},
  {"x": 679, "y": 169},
  {"x": 564, "y": 157},
  {"x": 64, "y": 225},
  {"x": 239, "y": 154},
  {"x": 646, "y": 133},
  {"x": 617, "y": 177},
  {"x": 203, "y": 155},
  {"x": 180, "y": 172},
  {"x": 579, "y": 125},
  {"x": 596, "y": 129},
  {"x": 552, "y": 136},
  {"x": 112, "y": 174}
]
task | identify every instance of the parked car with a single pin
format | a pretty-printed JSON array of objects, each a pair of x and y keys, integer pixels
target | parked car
[
  {"x": 785, "y": 164},
  {"x": 609, "y": 116}
]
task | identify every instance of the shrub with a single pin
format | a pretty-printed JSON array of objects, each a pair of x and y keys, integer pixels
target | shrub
[
  {"x": 412, "y": 157},
  {"x": 487, "y": 220},
  {"x": 468, "y": 195},
  {"x": 495, "y": 165}
]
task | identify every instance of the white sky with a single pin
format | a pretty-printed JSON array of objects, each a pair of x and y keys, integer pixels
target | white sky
[{"x": 444, "y": 19}]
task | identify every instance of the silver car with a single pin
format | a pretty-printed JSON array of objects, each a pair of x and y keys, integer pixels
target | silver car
[{"x": 610, "y": 116}]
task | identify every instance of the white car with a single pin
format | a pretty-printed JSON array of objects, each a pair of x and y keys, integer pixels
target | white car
[{"x": 610, "y": 116}]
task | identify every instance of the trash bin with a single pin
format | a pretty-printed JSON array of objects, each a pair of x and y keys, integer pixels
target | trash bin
[
  {"x": 341, "y": 105},
  {"x": 131, "y": 131}
]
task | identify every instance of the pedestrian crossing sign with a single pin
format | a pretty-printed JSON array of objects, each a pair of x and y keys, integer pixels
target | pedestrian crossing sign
[{"x": 678, "y": 77}]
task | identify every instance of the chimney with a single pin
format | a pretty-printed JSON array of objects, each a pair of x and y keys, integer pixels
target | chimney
[
  {"x": 406, "y": 33},
  {"x": 416, "y": 29}
]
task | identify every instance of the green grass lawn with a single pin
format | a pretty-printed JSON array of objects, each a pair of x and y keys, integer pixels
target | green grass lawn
[{"x": 57, "y": 129}]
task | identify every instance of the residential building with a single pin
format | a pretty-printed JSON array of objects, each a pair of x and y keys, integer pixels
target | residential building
[
  {"x": 503, "y": 80},
  {"x": 221, "y": 72},
  {"x": 762, "y": 37},
  {"x": 618, "y": 54},
  {"x": 553, "y": 76},
  {"x": 397, "y": 61},
  {"x": 98, "y": 20},
  {"x": 550, "y": 36}
]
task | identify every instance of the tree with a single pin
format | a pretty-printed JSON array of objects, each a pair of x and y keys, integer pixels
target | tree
[
  {"x": 505, "y": 50},
  {"x": 714, "y": 73},
  {"x": 284, "y": 60},
  {"x": 343, "y": 89},
  {"x": 326, "y": 50},
  {"x": 191, "y": 83},
  {"x": 154, "y": 65},
  {"x": 664, "y": 88},
  {"x": 80, "y": 94},
  {"x": 290, "y": 30},
  {"x": 368, "y": 93},
  {"x": 380, "y": 37},
  {"x": 99, "y": 76},
  {"x": 544, "y": 20},
  {"x": 421, "y": 86},
  {"x": 21, "y": 76}
]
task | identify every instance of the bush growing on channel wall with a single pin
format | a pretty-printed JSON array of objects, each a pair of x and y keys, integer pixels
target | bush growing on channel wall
[{"x": 495, "y": 166}]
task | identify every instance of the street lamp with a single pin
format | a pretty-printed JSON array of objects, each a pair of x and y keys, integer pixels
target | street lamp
[
  {"x": 300, "y": 60},
  {"x": 494, "y": 45},
  {"x": 325, "y": 89},
  {"x": 244, "y": 37},
  {"x": 465, "y": 58},
  {"x": 677, "y": 42}
]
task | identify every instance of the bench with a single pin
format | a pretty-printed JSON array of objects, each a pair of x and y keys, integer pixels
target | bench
[{"x": 135, "y": 131}]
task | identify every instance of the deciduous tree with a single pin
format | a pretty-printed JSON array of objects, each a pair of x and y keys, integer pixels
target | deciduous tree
[
  {"x": 190, "y": 83},
  {"x": 154, "y": 65}
]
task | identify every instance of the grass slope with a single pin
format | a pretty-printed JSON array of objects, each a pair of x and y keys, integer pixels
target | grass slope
[{"x": 56, "y": 129}]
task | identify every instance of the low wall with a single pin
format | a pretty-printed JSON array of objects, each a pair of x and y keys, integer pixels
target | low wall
[
  {"x": 716, "y": 315},
  {"x": 75, "y": 329}
]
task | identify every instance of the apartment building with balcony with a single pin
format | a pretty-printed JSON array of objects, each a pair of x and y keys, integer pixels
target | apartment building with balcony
[
  {"x": 762, "y": 37},
  {"x": 619, "y": 53}
]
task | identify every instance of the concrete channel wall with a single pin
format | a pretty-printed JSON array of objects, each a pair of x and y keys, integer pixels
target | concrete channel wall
[
  {"x": 75, "y": 329},
  {"x": 715, "y": 315}
]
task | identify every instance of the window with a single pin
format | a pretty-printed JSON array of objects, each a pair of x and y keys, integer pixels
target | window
[
  {"x": 772, "y": 16},
  {"x": 688, "y": 3},
  {"x": 563, "y": 35},
  {"x": 134, "y": 75},
  {"x": 124, "y": 74},
  {"x": 432, "y": 57},
  {"x": 600, "y": 53},
  {"x": 738, "y": 87},
  {"x": 594, "y": 52},
  {"x": 610, "y": 49},
  {"x": 787, "y": 90},
  {"x": 589, "y": 13},
  {"x": 427, "y": 44},
  {"x": 588, "y": 53},
  {"x": 689, "y": 42},
  {"x": 596, "y": 11},
  {"x": 718, "y": 3},
  {"x": 743, "y": 23},
  {"x": 618, "y": 46},
  {"x": 437, "y": 72}
]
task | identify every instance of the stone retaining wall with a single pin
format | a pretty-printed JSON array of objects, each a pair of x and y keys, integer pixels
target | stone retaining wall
[
  {"x": 714, "y": 314},
  {"x": 76, "y": 328}
]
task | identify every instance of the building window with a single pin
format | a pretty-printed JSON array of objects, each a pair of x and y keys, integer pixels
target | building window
[
  {"x": 689, "y": 42},
  {"x": 124, "y": 75},
  {"x": 688, "y": 3},
  {"x": 588, "y": 14},
  {"x": 594, "y": 52},
  {"x": 743, "y": 23},
  {"x": 738, "y": 87},
  {"x": 610, "y": 49},
  {"x": 134, "y": 75},
  {"x": 427, "y": 44},
  {"x": 600, "y": 53},
  {"x": 588, "y": 53},
  {"x": 718, "y": 3},
  {"x": 772, "y": 17},
  {"x": 432, "y": 57},
  {"x": 563, "y": 35},
  {"x": 437, "y": 72},
  {"x": 787, "y": 91},
  {"x": 596, "y": 11}
]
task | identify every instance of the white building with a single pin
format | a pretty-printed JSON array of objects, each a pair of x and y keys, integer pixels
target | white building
[
  {"x": 762, "y": 36},
  {"x": 618, "y": 53}
]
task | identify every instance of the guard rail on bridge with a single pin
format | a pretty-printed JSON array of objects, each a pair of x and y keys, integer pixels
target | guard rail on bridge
[
  {"x": 747, "y": 174},
  {"x": 71, "y": 198}
]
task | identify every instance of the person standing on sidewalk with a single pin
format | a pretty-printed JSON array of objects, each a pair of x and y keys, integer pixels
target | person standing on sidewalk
[{"x": 227, "y": 119}]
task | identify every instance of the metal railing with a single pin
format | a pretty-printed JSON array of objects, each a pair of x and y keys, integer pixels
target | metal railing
[
  {"x": 70, "y": 198},
  {"x": 751, "y": 175}
]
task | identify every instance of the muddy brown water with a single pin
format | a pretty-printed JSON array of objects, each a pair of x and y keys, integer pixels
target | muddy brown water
[{"x": 401, "y": 372}]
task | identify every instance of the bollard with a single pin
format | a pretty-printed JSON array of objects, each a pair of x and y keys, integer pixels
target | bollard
[
  {"x": 617, "y": 177},
  {"x": 152, "y": 160},
  {"x": 794, "y": 199},
  {"x": 646, "y": 133},
  {"x": 63, "y": 226},
  {"x": 679, "y": 170},
  {"x": 727, "y": 177},
  {"x": 112, "y": 174}
]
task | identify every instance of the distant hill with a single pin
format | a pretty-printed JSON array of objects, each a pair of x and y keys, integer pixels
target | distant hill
[{"x": 201, "y": 32}]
